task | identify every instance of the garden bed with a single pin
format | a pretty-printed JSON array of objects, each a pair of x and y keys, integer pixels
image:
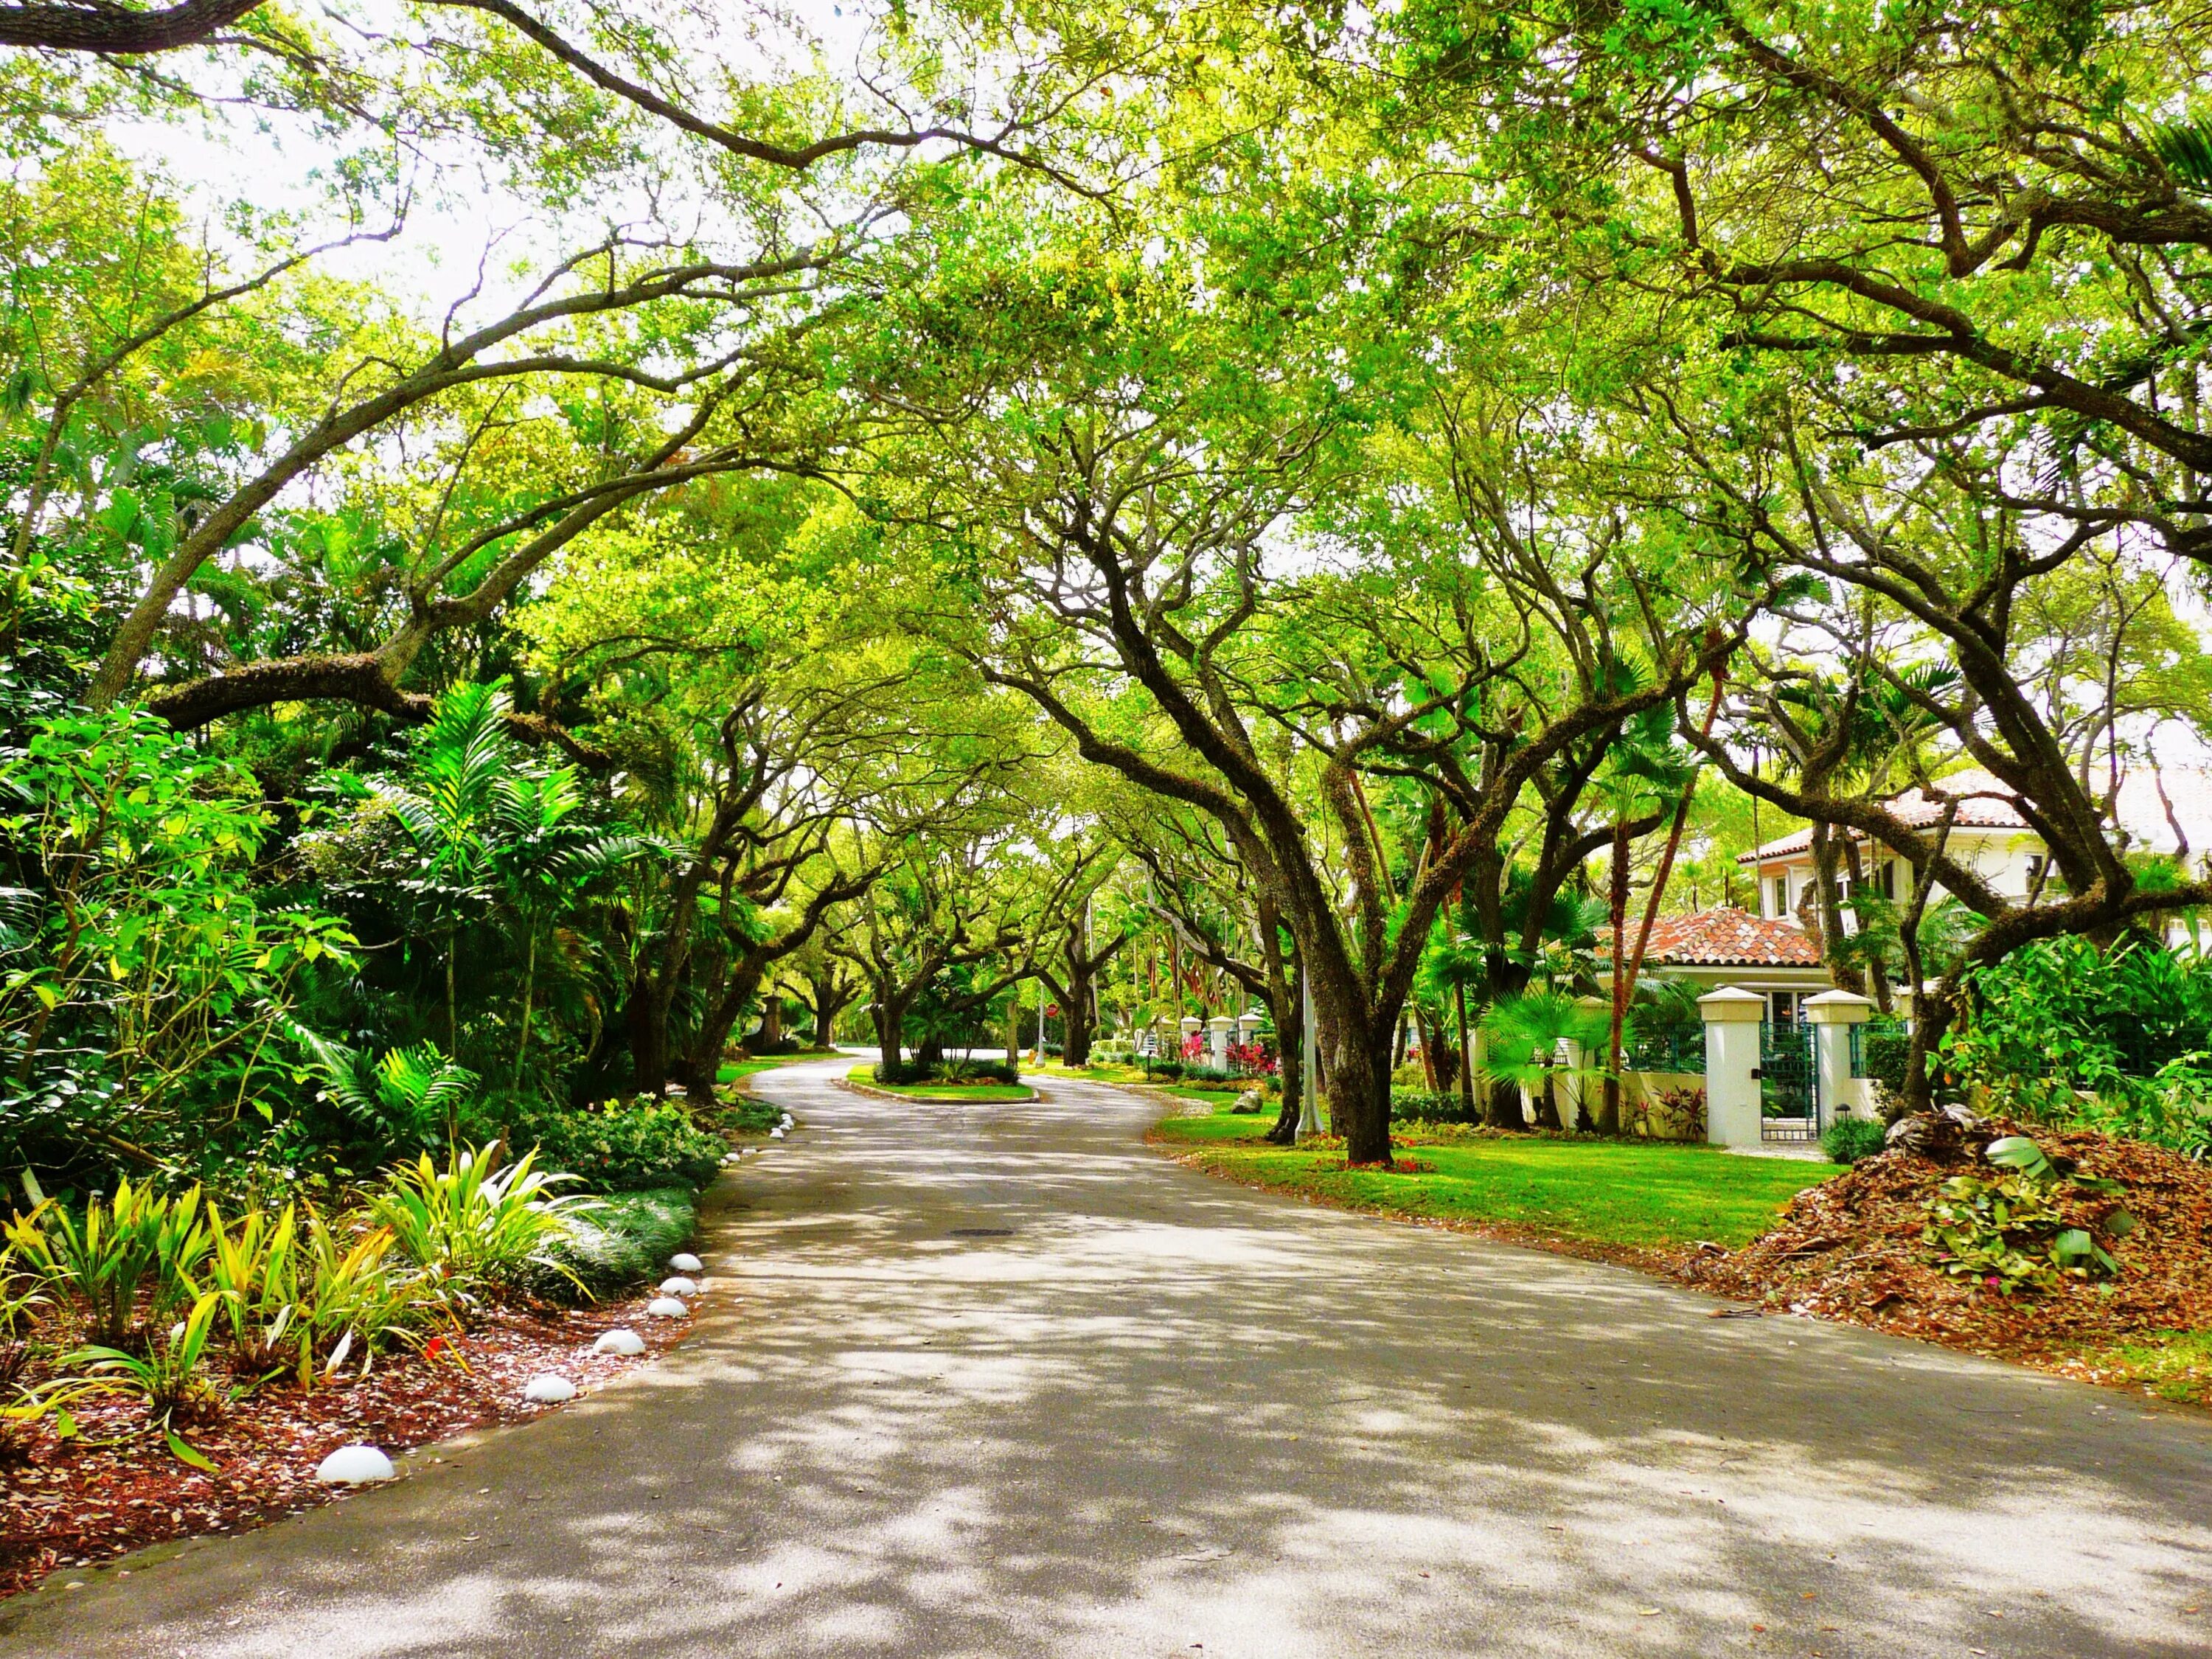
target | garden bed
[
  {"x": 863, "y": 1076},
  {"x": 117, "y": 1487}
]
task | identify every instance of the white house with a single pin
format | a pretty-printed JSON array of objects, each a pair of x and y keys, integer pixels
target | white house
[{"x": 2168, "y": 811}]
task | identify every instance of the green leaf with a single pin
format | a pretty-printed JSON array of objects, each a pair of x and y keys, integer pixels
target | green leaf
[
  {"x": 2119, "y": 1224},
  {"x": 185, "y": 1454},
  {"x": 2018, "y": 1152}
]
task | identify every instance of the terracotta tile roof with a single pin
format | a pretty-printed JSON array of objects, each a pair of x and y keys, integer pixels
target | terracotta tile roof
[{"x": 1726, "y": 937}]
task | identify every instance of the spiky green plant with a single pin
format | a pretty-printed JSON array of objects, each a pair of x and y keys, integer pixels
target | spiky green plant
[
  {"x": 1521, "y": 1035},
  {"x": 140, "y": 1240},
  {"x": 171, "y": 1375},
  {"x": 472, "y": 1224}
]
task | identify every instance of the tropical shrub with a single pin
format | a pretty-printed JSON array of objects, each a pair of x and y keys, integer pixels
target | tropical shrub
[
  {"x": 142, "y": 974},
  {"x": 471, "y": 1224},
  {"x": 1433, "y": 1106},
  {"x": 170, "y": 1373},
  {"x": 1672, "y": 1115},
  {"x": 1848, "y": 1139},
  {"x": 1883, "y": 1056},
  {"x": 2119, "y": 1040},
  {"x": 643, "y": 1142},
  {"x": 140, "y": 1241},
  {"x": 351, "y": 1293}
]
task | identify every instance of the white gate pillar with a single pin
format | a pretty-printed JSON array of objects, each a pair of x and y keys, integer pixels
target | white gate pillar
[
  {"x": 1831, "y": 1015},
  {"x": 1732, "y": 1019}
]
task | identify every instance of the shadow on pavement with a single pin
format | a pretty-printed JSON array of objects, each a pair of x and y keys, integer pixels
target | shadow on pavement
[{"x": 1167, "y": 1415}]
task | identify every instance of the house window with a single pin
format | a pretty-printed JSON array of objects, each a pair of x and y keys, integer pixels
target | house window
[
  {"x": 1781, "y": 895},
  {"x": 2034, "y": 871},
  {"x": 1783, "y": 1009},
  {"x": 1889, "y": 878}
]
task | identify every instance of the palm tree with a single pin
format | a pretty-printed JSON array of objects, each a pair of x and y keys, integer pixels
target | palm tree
[
  {"x": 1647, "y": 776},
  {"x": 498, "y": 835},
  {"x": 1521, "y": 1035}
]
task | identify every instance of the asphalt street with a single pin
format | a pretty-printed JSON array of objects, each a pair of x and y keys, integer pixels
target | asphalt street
[{"x": 995, "y": 1380}]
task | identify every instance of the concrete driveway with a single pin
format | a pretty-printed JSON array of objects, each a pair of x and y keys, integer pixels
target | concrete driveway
[{"x": 994, "y": 1381}]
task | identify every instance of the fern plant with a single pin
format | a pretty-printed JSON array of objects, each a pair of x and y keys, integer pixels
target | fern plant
[{"x": 408, "y": 1096}]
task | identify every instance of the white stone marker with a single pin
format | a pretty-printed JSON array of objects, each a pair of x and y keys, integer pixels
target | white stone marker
[
  {"x": 621, "y": 1341},
  {"x": 354, "y": 1466},
  {"x": 549, "y": 1390}
]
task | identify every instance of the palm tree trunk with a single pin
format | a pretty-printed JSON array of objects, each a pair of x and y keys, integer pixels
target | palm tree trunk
[
  {"x": 1465, "y": 1054},
  {"x": 1609, "y": 1118},
  {"x": 529, "y": 986}
]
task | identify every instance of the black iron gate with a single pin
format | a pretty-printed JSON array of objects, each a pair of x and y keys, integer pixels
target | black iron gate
[{"x": 1788, "y": 1091}]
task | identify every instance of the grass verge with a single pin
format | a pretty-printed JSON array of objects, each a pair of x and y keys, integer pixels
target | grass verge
[
  {"x": 731, "y": 1070},
  {"x": 1637, "y": 1197},
  {"x": 865, "y": 1074},
  {"x": 2174, "y": 1366},
  {"x": 628, "y": 1236}
]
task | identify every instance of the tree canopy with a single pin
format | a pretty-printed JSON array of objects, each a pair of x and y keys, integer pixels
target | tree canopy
[{"x": 533, "y": 534}]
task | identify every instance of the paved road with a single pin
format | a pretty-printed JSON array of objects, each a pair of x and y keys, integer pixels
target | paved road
[{"x": 1165, "y": 1416}]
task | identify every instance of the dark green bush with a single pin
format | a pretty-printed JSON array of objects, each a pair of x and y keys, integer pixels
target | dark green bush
[
  {"x": 1432, "y": 1106},
  {"x": 1167, "y": 1070},
  {"x": 1884, "y": 1054},
  {"x": 952, "y": 1070},
  {"x": 644, "y": 1143},
  {"x": 1848, "y": 1139},
  {"x": 981, "y": 1071}
]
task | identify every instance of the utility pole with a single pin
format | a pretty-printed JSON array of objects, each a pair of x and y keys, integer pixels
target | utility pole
[{"x": 1309, "y": 1055}]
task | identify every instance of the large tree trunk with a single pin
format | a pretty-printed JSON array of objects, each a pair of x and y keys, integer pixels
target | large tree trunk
[
  {"x": 1078, "y": 1012},
  {"x": 645, "y": 1016},
  {"x": 1360, "y": 1094},
  {"x": 1289, "y": 1011},
  {"x": 890, "y": 1013}
]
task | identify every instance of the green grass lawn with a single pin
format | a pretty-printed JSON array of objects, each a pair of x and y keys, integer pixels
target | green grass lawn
[
  {"x": 2172, "y": 1365},
  {"x": 866, "y": 1072},
  {"x": 731, "y": 1070},
  {"x": 1603, "y": 1191},
  {"x": 1096, "y": 1072},
  {"x": 1215, "y": 1094}
]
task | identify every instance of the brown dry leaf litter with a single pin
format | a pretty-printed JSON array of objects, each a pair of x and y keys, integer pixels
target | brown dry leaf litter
[
  {"x": 1852, "y": 1248},
  {"x": 118, "y": 1488}
]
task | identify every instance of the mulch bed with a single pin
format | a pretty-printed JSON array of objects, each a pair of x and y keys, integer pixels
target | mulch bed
[
  {"x": 1852, "y": 1248},
  {"x": 117, "y": 1487}
]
